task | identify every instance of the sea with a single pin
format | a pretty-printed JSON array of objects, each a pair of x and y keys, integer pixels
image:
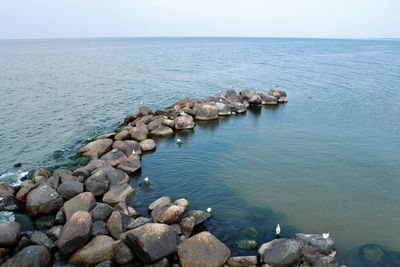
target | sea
[{"x": 327, "y": 161}]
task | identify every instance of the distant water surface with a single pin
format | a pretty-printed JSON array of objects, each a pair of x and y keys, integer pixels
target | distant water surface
[{"x": 329, "y": 160}]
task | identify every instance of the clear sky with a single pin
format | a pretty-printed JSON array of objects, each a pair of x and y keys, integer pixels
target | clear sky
[{"x": 269, "y": 18}]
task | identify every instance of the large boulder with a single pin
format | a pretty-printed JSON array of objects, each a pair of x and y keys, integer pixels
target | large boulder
[
  {"x": 97, "y": 148},
  {"x": 246, "y": 94},
  {"x": 64, "y": 175},
  {"x": 40, "y": 238},
  {"x": 203, "y": 250},
  {"x": 114, "y": 157},
  {"x": 255, "y": 100},
  {"x": 31, "y": 256},
  {"x": 118, "y": 223},
  {"x": 223, "y": 109},
  {"x": 162, "y": 130},
  {"x": 207, "y": 112},
  {"x": 9, "y": 234},
  {"x": 269, "y": 100},
  {"x": 152, "y": 241},
  {"x": 99, "y": 249},
  {"x": 118, "y": 193},
  {"x": 70, "y": 189},
  {"x": 128, "y": 147},
  {"x": 43, "y": 200},
  {"x": 277, "y": 92},
  {"x": 101, "y": 212},
  {"x": 218, "y": 98},
  {"x": 26, "y": 187},
  {"x": 139, "y": 133},
  {"x": 130, "y": 164},
  {"x": 160, "y": 201},
  {"x": 6, "y": 190},
  {"x": 280, "y": 252},
  {"x": 168, "y": 214},
  {"x": 82, "y": 202},
  {"x": 314, "y": 244},
  {"x": 97, "y": 183},
  {"x": 115, "y": 176},
  {"x": 231, "y": 95},
  {"x": 122, "y": 135},
  {"x": 122, "y": 253},
  {"x": 148, "y": 145},
  {"x": 199, "y": 216},
  {"x": 7, "y": 199},
  {"x": 184, "y": 122},
  {"x": 76, "y": 232},
  {"x": 238, "y": 107}
]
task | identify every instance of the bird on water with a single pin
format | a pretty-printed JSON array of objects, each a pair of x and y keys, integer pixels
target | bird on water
[
  {"x": 209, "y": 210},
  {"x": 179, "y": 141}
]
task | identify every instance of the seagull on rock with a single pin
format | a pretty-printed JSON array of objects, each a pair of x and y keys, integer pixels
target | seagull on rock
[
  {"x": 278, "y": 230},
  {"x": 325, "y": 235}
]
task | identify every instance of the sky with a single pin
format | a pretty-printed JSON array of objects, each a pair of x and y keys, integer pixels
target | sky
[{"x": 249, "y": 18}]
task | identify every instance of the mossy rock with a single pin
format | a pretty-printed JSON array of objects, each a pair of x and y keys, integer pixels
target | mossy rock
[
  {"x": 225, "y": 237},
  {"x": 82, "y": 161},
  {"x": 249, "y": 232},
  {"x": 40, "y": 172},
  {"x": 246, "y": 244},
  {"x": 17, "y": 164},
  {"x": 45, "y": 222}
]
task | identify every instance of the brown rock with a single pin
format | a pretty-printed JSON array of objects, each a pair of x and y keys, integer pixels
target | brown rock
[{"x": 82, "y": 202}]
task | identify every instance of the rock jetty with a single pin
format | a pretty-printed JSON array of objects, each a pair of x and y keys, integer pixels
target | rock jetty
[{"x": 81, "y": 216}]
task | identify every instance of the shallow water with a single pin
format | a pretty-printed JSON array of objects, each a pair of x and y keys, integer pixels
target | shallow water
[{"x": 326, "y": 161}]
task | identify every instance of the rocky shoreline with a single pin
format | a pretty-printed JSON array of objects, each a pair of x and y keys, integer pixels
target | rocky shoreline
[{"x": 82, "y": 218}]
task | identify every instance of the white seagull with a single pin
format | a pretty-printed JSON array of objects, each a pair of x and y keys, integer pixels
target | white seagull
[
  {"x": 325, "y": 235},
  {"x": 146, "y": 179},
  {"x": 209, "y": 210},
  {"x": 278, "y": 230},
  {"x": 179, "y": 141}
]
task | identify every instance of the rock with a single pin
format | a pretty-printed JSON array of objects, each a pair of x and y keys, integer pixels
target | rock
[
  {"x": 54, "y": 232},
  {"x": 246, "y": 94},
  {"x": 160, "y": 201},
  {"x": 168, "y": 214},
  {"x": 118, "y": 193},
  {"x": 183, "y": 202},
  {"x": 269, "y": 100},
  {"x": 99, "y": 228},
  {"x": 118, "y": 223},
  {"x": 203, "y": 249},
  {"x": 44, "y": 222},
  {"x": 223, "y": 109},
  {"x": 128, "y": 147},
  {"x": 60, "y": 217},
  {"x": 6, "y": 190},
  {"x": 242, "y": 261},
  {"x": 139, "y": 133},
  {"x": 148, "y": 145},
  {"x": 9, "y": 234},
  {"x": 199, "y": 215},
  {"x": 162, "y": 130},
  {"x": 65, "y": 176},
  {"x": 143, "y": 111},
  {"x": 187, "y": 224},
  {"x": 8, "y": 203},
  {"x": 122, "y": 253},
  {"x": 169, "y": 123},
  {"x": 176, "y": 228},
  {"x": 32, "y": 256},
  {"x": 53, "y": 181},
  {"x": 184, "y": 122},
  {"x": 122, "y": 135},
  {"x": 86, "y": 170},
  {"x": 82, "y": 202},
  {"x": 155, "y": 123},
  {"x": 207, "y": 112},
  {"x": 249, "y": 232},
  {"x": 129, "y": 118},
  {"x": 189, "y": 111},
  {"x": 26, "y": 187},
  {"x": 96, "y": 148},
  {"x": 138, "y": 222},
  {"x": 130, "y": 164},
  {"x": 161, "y": 263},
  {"x": 133, "y": 213},
  {"x": 280, "y": 252},
  {"x": 41, "y": 172},
  {"x": 231, "y": 95},
  {"x": 246, "y": 244},
  {"x": 39, "y": 179},
  {"x": 76, "y": 232},
  {"x": 313, "y": 244},
  {"x": 277, "y": 92},
  {"x": 238, "y": 107},
  {"x": 106, "y": 135},
  {"x": 97, "y": 183},
  {"x": 99, "y": 249},
  {"x": 40, "y": 238},
  {"x": 105, "y": 264},
  {"x": 184, "y": 102},
  {"x": 115, "y": 176},
  {"x": 70, "y": 189},
  {"x": 327, "y": 261},
  {"x": 101, "y": 212},
  {"x": 4, "y": 254},
  {"x": 255, "y": 100},
  {"x": 152, "y": 241},
  {"x": 122, "y": 207},
  {"x": 114, "y": 157},
  {"x": 43, "y": 200},
  {"x": 218, "y": 98}
]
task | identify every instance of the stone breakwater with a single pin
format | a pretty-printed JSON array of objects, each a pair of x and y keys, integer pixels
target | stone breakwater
[{"x": 81, "y": 216}]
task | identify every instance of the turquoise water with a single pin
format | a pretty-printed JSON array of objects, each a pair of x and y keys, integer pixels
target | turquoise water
[{"x": 326, "y": 161}]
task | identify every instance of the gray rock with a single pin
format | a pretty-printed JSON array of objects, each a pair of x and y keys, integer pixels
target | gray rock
[
  {"x": 326, "y": 261},
  {"x": 118, "y": 193},
  {"x": 114, "y": 157},
  {"x": 168, "y": 214},
  {"x": 99, "y": 228},
  {"x": 199, "y": 215},
  {"x": 122, "y": 207},
  {"x": 242, "y": 261},
  {"x": 105, "y": 264},
  {"x": 218, "y": 98},
  {"x": 44, "y": 222},
  {"x": 148, "y": 145},
  {"x": 122, "y": 135},
  {"x": 169, "y": 123},
  {"x": 143, "y": 111},
  {"x": 64, "y": 175},
  {"x": 4, "y": 254},
  {"x": 162, "y": 130},
  {"x": 161, "y": 263},
  {"x": 82, "y": 202},
  {"x": 133, "y": 213},
  {"x": 70, "y": 189},
  {"x": 76, "y": 232},
  {"x": 9, "y": 234},
  {"x": 40, "y": 238},
  {"x": 138, "y": 222},
  {"x": 246, "y": 94},
  {"x": 139, "y": 133},
  {"x": 122, "y": 253},
  {"x": 223, "y": 109},
  {"x": 97, "y": 148},
  {"x": 54, "y": 232},
  {"x": 118, "y": 223},
  {"x": 128, "y": 147},
  {"x": 184, "y": 122},
  {"x": 99, "y": 249},
  {"x": 231, "y": 95},
  {"x": 255, "y": 100},
  {"x": 60, "y": 217},
  {"x": 152, "y": 241},
  {"x": 43, "y": 200},
  {"x": 101, "y": 212},
  {"x": 207, "y": 112},
  {"x": 238, "y": 107},
  {"x": 41, "y": 172},
  {"x": 182, "y": 202},
  {"x": 280, "y": 252},
  {"x": 313, "y": 244},
  {"x": 32, "y": 256},
  {"x": 115, "y": 176},
  {"x": 106, "y": 135},
  {"x": 269, "y": 100},
  {"x": 160, "y": 201},
  {"x": 54, "y": 182},
  {"x": 187, "y": 224},
  {"x": 189, "y": 111},
  {"x": 130, "y": 164},
  {"x": 97, "y": 183},
  {"x": 26, "y": 187},
  {"x": 277, "y": 92},
  {"x": 155, "y": 123},
  {"x": 8, "y": 203},
  {"x": 203, "y": 249},
  {"x": 6, "y": 190}
]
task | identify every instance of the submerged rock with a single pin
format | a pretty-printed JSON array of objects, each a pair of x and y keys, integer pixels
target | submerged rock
[
  {"x": 203, "y": 250},
  {"x": 313, "y": 244},
  {"x": 246, "y": 244}
]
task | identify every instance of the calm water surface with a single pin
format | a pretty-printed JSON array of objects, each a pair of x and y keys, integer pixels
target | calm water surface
[{"x": 329, "y": 160}]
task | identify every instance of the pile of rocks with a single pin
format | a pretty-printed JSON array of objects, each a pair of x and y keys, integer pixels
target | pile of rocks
[{"x": 82, "y": 216}]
